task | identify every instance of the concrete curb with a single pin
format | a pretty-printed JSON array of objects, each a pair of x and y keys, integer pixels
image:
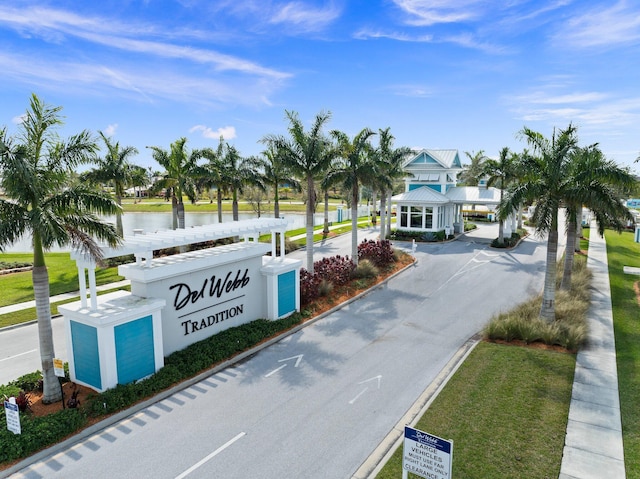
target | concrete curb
[
  {"x": 381, "y": 455},
  {"x": 109, "y": 421}
]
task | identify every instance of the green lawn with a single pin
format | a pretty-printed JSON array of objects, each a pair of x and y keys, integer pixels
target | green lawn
[
  {"x": 158, "y": 205},
  {"x": 506, "y": 411},
  {"x": 623, "y": 251},
  {"x": 63, "y": 277}
]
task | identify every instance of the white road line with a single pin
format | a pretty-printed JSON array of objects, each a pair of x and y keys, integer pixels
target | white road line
[
  {"x": 274, "y": 371},
  {"x": 361, "y": 393},
  {"x": 210, "y": 456},
  {"x": 17, "y": 355}
]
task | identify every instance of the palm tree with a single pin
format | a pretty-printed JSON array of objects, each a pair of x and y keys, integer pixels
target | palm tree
[
  {"x": 212, "y": 174},
  {"x": 114, "y": 170},
  {"x": 139, "y": 178},
  {"x": 238, "y": 173},
  {"x": 593, "y": 181},
  {"x": 181, "y": 170},
  {"x": 355, "y": 168},
  {"x": 545, "y": 182},
  {"x": 305, "y": 154},
  {"x": 389, "y": 168},
  {"x": 275, "y": 174},
  {"x": 41, "y": 203},
  {"x": 501, "y": 172},
  {"x": 472, "y": 172}
]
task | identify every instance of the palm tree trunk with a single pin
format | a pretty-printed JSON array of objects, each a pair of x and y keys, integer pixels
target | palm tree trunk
[
  {"x": 234, "y": 205},
  {"x": 569, "y": 254},
  {"x": 520, "y": 217},
  {"x": 383, "y": 212},
  {"x": 354, "y": 223},
  {"x": 578, "y": 230},
  {"x": 501, "y": 232},
  {"x": 276, "y": 203},
  {"x": 310, "y": 208},
  {"x": 51, "y": 386},
  {"x": 374, "y": 216},
  {"x": 219, "y": 201},
  {"x": 119, "y": 228},
  {"x": 389, "y": 193},
  {"x": 180, "y": 214},
  {"x": 325, "y": 230},
  {"x": 174, "y": 211},
  {"x": 548, "y": 309}
]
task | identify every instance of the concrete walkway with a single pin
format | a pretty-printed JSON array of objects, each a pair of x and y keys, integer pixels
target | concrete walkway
[
  {"x": 12, "y": 308},
  {"x": 593, "y": 444}
]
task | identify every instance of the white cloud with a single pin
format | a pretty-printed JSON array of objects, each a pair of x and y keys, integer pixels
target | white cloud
[
  {"x": 18, "y": 119},
  {"x": 54, "y": 25},
  {"x": 110, "y": 130},
  {"x": 142, "y": 82},
  {"x": 304, "y": 16},
  {"x": 432, "y": 12},
  {"x": 414, "y": 90},
  {"x": 601, "y": 110},
  {"x": 226, "y": 132},
  {"x": 617, "y": 24}
]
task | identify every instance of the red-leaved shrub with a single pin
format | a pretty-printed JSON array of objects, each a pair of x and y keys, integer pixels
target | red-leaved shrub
[{"x": 380, "y": 253}]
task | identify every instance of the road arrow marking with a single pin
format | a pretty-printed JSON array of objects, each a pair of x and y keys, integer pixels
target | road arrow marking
[
  {"x": 378, "y": 378},
  {"x": 298, "y": 358}
]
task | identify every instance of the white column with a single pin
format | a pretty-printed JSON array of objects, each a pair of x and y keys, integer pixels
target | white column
[
  {"x": 83, "y": 286},
  {"x": 282, "y": 249},
  {"x": 93, "y": 293},
  {"x": 273, "y": 244}
]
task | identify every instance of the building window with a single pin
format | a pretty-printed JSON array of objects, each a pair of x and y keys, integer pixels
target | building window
[
  {"x": 416, "y": 217},
  {"x": 428, "y": 218},
  {"x": 404, "y": 210}
]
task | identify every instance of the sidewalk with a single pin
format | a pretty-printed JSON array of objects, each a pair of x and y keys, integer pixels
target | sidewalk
[
  {"x": 12, "y": 308},
  {"x": 593, "y": 444}
]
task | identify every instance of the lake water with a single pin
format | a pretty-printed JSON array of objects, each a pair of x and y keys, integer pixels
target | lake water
[{"x": 151, "y": 222}]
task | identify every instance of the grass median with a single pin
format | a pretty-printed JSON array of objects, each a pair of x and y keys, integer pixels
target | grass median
[
  {"x": 506, "y": 411},
  {"x": 625, "y": 298}
]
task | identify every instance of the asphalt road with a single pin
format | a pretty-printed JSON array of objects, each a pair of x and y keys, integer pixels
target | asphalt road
[{"x": 317, "y": 403}]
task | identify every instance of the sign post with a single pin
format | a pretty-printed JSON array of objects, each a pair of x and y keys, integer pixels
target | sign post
[
  {"x": 12, "y": 414},
  {"x": 426, "y": 455}
]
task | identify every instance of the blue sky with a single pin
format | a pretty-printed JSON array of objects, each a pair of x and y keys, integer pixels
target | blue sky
[{"x": 463, "y": 74}]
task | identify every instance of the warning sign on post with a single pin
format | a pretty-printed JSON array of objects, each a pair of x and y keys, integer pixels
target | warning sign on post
[
  {"x": 426, "y": 455},
  {"x": 58, "y": 367}
]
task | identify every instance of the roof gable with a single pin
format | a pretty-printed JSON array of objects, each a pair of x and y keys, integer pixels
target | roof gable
[{"x": 432, "y": 159}]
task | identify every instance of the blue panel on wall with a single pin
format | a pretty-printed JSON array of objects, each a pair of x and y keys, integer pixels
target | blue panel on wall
[
  {"x": 414, "y": 186},
  {"x": 438, "y": 188},
  {"x": 286, "y": 293},
  {"x": 86, "y": 356},
  {"x": 134, "y": 350}
]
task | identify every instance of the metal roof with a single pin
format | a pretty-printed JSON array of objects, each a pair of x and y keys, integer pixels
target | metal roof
[
  {"x": 423, "y": 194},
  {"x": 458, "y": 195},
  {"x": 443, "y": 158},
  {"x": 474, "y": 195}
]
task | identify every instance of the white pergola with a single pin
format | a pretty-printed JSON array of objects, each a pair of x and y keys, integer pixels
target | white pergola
[{"x": 142, "y": 245}]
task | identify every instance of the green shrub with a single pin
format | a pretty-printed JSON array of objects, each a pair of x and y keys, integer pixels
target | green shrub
[
  {"x": 569, "y": 330},
  {"x": 325, "y": 288},
  {"x": 39, "y": 432},
  {"x": 365, "y": 269}
]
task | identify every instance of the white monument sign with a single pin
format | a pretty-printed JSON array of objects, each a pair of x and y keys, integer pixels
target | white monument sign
[{"x": 426, "y": 455}]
